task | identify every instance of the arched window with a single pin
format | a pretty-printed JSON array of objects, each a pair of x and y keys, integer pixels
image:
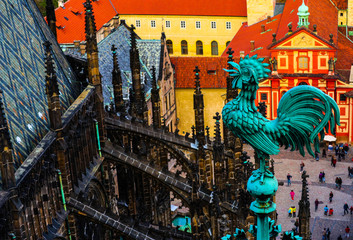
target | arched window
[
  {"x": 303, "y": 83},
  {"x": 170, "y": 46},
  {"x": 227, "y": 43},
  {"x": 283, "y": 93},
  {"x": 199, "y": 48},
  {"x": 184, "y": 47},
  {"x": 214, "y": 48}
]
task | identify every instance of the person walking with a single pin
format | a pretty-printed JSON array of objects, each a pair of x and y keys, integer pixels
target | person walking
[
  {"x": 331, "y": 196},
  {"x": 330, "y": 212},
  {"x": 328, "y": 234},
  {"x": 320, "y": 177},
  {"x": 334, "y": 161},
  {"x": 324, "y": 234},
  {"x": 289, "y": 179},
  {"x": 294, "y": 210},
  {"x": 339, "y": 183},
  {"x": 336, "y": 181},
  {"x": 325, "y": 210},
  {"x": 316, "y": 204},
  {"x": 296, "y": 224},
  {"x": 323, "y": 177},
  {"x": 336, "y": 149},
  {"x": 317, "y": 157},
  {"x": 292, "y": 194},
  {"x": 302, "y": 165},
  {"x": 339, "y": 237},
  {"x": 347, "y": 230},
  {"x": 345, "y": 208},
  {"x": 290, "y": 212},
  {"x": 351, "y": 209},
  {"x": 324, "y": 153}
]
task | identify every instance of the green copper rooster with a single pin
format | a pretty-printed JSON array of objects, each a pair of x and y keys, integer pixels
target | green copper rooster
[{"x": 303, "y": 113}]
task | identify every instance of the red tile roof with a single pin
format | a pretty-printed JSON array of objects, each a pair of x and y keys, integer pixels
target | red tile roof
[
  {"x": 71, "y": 17},
  {"x": 185, "y": 77},
  {"x": 241, "y": 41},
  {"x": 345, "y": 53},
  {"x": 341, "y": 4}
]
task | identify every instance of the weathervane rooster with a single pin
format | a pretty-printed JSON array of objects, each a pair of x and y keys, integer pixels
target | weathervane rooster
[{"x": 304, "y": 113}]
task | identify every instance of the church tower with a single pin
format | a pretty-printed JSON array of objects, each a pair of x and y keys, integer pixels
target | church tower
[
  {"x": 303, "y": 14},
  {"x": 259, "y": 10}
]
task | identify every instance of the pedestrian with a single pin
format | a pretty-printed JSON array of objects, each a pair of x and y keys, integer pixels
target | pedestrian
[
  {"x": 296, "y": 224},
  {"x": 351, "y": 209},
  {"x": 336, "y": 181},
  {"x": 320, "y": 177},
  {"x": 316, "y": 204},
  {"x": 330, "y": 212},
  {"x": 292, "y": 194},
  {"x": 289, "y": 179},
  {"x": 294, "y": 210},
  {"x": 317, "y": 156},
  {"x": 334, "y": 161},
  {"x": 325, "y": 210},
  {"x": 331, "y": 196},
  {"x": 336, "y": 150},
  {"x": 302, "y": 165},
  {"x": 323, "y": 176},
  {"x": 351, "y": 173},
  {"x": 324, "y": 234},
  {"x": 345, "y": 208},
  {"x": 290, "y": 212},
  {"x": 324, "y": 153},
  {"x": 347, "y": 230},
  {"x": 339, "y": 237},
  {"x": 328, "y": 234},
  {"x": 339, "y": 157},
  {"x": 339, "y": 183}
]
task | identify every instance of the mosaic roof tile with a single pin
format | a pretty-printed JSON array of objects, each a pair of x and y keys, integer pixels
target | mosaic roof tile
[{"x": 22, "y": 74}]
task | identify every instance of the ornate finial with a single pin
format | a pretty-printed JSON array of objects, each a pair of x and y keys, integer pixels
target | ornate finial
[
  {"x": 90, "y": 28},
  {"x": 155, "y": 100},
  {"x": 315, "y": 26},
  {"x": 303, "y": 14},
  {"x": 230, "y": 57},
  {"x": 290, "y": 28},
  {"x": 208, "y": 134},
  {"x": 193, "y": 131},
  {"x": 218, "y": 139},
  {"x": 274, "y": 37},
  {"x": 117, "y": 83},
  {"x": 331, "y": 38},
  {"x": 197, "y": 80},
  {"x": 51, "y": 80},
  {"x": 51, "y": 19}
]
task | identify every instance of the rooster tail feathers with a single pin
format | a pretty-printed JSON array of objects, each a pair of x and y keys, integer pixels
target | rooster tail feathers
[{"x": 308, "y": 112}]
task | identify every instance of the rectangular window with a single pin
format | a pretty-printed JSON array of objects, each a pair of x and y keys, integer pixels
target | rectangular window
[
  {"x": 303, "y": 63},
  {"x": 341, "y": 14},
  {"x": 138, "y": 23},
  {"x": 343, "y": 97},
  {"x": 167, "y": 24},
  {"x": 153, "y": 23},
  {"x": 228, "y": 25},
  {"x": 263, "y": 96},
  {"x": 182, "y": 24},
  {"x": 213, "y": 25},
  {"x": 198, "y": 24}
]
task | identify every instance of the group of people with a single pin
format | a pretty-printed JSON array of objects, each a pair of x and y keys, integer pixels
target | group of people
[
  {"x": 326, "y": 234},
  {"x": 338, "y": 182},
  {"x": 292, "y": 211},
  {"x": 322, "y": 178}
]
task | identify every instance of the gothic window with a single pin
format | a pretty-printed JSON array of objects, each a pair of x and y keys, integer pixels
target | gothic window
[
  {"x": 214, "y": 48},
  {"x": 303, "y": 63},
  {"x": 170, "y": 46},
  {"x": 184, "y": 47},
  {"x": 199, "y": 48}
]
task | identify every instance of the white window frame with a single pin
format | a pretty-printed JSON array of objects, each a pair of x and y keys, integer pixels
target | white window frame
[
  {"x": 182, "y": 23},
  {"x": 228, "y": 25},
  {"x": 213, "y": 25},
  {"x": 153, "y": 23},
  {"x": 199, "y": 23},
  {"x": 138, "y": 23},
  {"x": 166, "y": 24}
]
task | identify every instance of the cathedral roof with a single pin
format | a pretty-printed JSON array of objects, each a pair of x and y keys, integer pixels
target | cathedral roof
[
  {"x": 70, "y": 18},
  {"x": 341, "y": 4},
  {"x": 150, "y": 55},
  {"x": 212, "y": 74},
  {"x": 22, "y": 74}
]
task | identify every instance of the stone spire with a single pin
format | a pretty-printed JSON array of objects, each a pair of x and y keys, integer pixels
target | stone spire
[
  {"x": 218, "y": 153},
  {"x": 303, "y": 14},
  {"x": 198, "y": 108},
  {"x": 117, "y": 84},
  {"x": 304, "y": 210},
  {"x": 231, "y": 92},
  {"x": 51, "y": 19},
  {"x": 155, "y": 101},
  {"x": 138, "y": 106},
  {"x": 93, "y": 67},
  {"x": 52, "y": 89}
]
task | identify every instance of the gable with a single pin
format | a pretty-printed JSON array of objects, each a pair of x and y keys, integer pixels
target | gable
[{"x": 303, "y": 40}]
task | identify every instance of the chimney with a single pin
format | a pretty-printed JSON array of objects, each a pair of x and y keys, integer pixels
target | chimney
[
  {"x": 262, "y": 28},
  {"x": 106, "y": 30},
  {"x": 252, "y": 44},
  {"x": 77, "y": 44},
  {"x": 242, "y": 54},
  {"x": 83, "y": 47},
  {"x": 268, "y": 19},
  {"x": 351, "y": 75},
  {"x": 115, "y": 21}
]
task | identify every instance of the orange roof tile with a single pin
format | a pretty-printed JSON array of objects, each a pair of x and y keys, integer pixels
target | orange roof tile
[
  {"x": 71, "y": 17},
  {"x": 341, "y": 4},
  {"x": 241, "y": 41},
  {"x": 185, "y": 77},
  {"x": 345, "y": 53}
]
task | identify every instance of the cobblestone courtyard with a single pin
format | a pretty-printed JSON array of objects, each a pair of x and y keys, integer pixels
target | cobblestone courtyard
[{"x": 288, "y": 162}]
